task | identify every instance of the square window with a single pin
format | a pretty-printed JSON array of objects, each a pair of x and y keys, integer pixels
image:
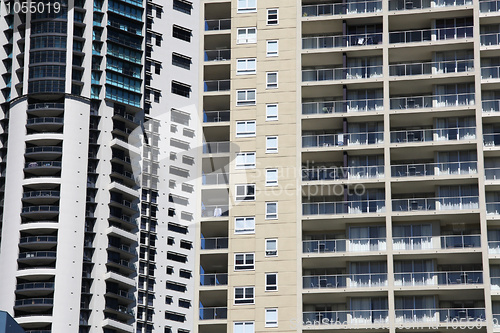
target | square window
[
  {"x": 271, "y": 317},
  {"x": 244, "y": 295},
  {"x": 244, "y": 327},
  {"x": 271, "y": 80},
  {"x": 244, "y": 261},
  {"x": 245, "y": 128},
  {"x": 271, "y": 112},
  {"x": 246, "y": 66},
  {"x": 245, "y": 160},
  {"x": 271, "y": 210},
  {"x": 272, "y": 177},
  {"x": 272, "y": 48},
  {"x": 246, "y": 35},
  {"x": 271, "y": 247},
  {"x": 247, "y": 6},
  {"x": 271, "y": 144},
  {"x": 244, "y": 225},
  {"x": 271, "y": 281},
  {"x": 245, "y": 192},
  {"x": 245, "y": 97},
  {"x": 272, "y": 16}
]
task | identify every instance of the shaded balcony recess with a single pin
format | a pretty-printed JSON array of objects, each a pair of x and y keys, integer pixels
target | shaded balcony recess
[
  {"x": 344, "y": 245},
  {"x": 347, "y": 139},
  {"x": 349, "y": 8},
  {"x": 328, "y": 107},
  {"x": 432, "y": 101},
  {"x": 435, "y": 204},
  {"x": 341, "y": 41},
  {"x": 349, "y": 317},
  {"x": 427, "y": 35},
  {"x": 431, "y": 134},
  {"x": 345, "y": 281},
  {"x": 438, "y": 278},
  {"x": 213, "y": 313},
  {"x": 477, "y": 315},
  {"x": 343, "y": 207},
  {"x": 434, "y": 169},
  {"x": 343, "y": 173},
  {"x": 422, "y": 4},
  {"x": 433, "y": 67},
  {"x": 349, "y": 73}
]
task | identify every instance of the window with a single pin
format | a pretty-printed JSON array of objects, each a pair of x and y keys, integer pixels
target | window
[
  {"x": 245, "y": 97},
  {"x": 245, "y": 160},
  {"x": 182, "y": 6},
  {"x": 245, "y": 128},
  {"x": 246, "y": 66},
  {"x": 244, "y": 295},
  {"x": 244, "y": 261},
  {"x": 271, "y": 112},
  {"x": 245, "y": 192},
  {"x": 272, "y": 177},
  {"x": 271, "y": 247},
  {"x": 247, "y": 36},
  {"x": 271, "y": 144},
  {"x": 181, "y": 89},
  {"x": 184, "y": 303},
  {"x": 247, "y": 6},
  {"x": 271, "y": 80},
  {"x": 180, "y": 60},
  {"x": 271, "y": 210},
  {"x": 182, "y": 33},
  {"x": 244, "y": 225},
  {"x": 244, "y": 327},
  {"x": 271, "y": 281},
  {"x": 272, "y": 317},
  {"x": 272, "y": 16},
  {"x": 272, "y": 48}
]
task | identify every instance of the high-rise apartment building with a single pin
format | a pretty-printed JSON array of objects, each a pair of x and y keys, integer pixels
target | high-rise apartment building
[
  {"x": 92, "y": 238},
  {"x": 362, "y": 193}
]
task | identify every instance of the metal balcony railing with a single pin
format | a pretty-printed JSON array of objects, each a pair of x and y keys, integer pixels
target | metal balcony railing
[
  {"x": 349, "y": 73},
  {"x": 493, "y": 208},
  {"x": 213, "y": 313},
  {"x": 428, "y": 135},
  {"x": 491, "y": 139},
  {"x": 215, "y": 243},
  {"x": 492, "y": 173},
  {"x": 215, "y": 179},
  {"x": 214, "y": 210},
  {"x": 434, "y": 169},
  {"x": 38, "y": 254},
  {"x": 217, "y": 85},
  {"x": 44, "y": 150},
  {"x": 422, "y": 4},
  {"x": 343, "y": 207},
  {"x": 362, "y": 105},
  {"x": 216, "y": 147},
  {"x": 427, "y": 35},
  {"x": 427, "y": 68},
  {"x": 360, "y": 7},
  {"x": 438, "y": 278},
  {"x": 412, "y": 243},
  {"x": 489, "y": 6},
  {"x": 43, "y": 164},
  {"x": 216, "y": 279},
  {"x": 346, "y": 317},
  {"x": 344, "y": 245},
  {"x": 35, "y": 285},
  {"x": 216, "y": 116},
  {"x": 34, "y": 301},
  {"x": 345, "y": 281},
  {"x": 217, "y": 55},
  {"x": 490, "y": 72},
  {"x": 348, "y": 139},
  {"x": 435, "y": 204},
  {"x": 35, "y": 209},
  {"x": 441, "y": 315},
  {"x": 340, "y": 173},
  {"x": 323, "y": 42},
  {"x": 37, "y": 106},
  {"x": 460, "y": 241},
  {"x": 432, "y": 101},
  {"x": 38, "y": 239},
  {"x": 213, "y": 25},
  {"x": 489, "y": 39},
  {"x": 492, "y": 105}
]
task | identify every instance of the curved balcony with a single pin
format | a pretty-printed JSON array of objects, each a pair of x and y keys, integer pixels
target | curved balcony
[
  {"x": 432, "y": 101},
  {"x": 340, "y": 140},
  {"x": 37, "y": 258},
  {"x": 40, "y": 212},
  {"x": 126, "y": 205},
  {"x": 338, "y": 74},
  {"x": 432, "y": 135},
  {"x": 346, "y": 317},
  {"x": 43, "y": 168},
  {"x": 435, "y": 204},
  {"x": 41, "y": 197},
  {"x": 46, "y": 124},
  {"x": 33, "y": 304},
  {"x": 126, "y": 265},
  {"x": 122, "y": 295},
  {"x": 362, "y": 105},
  {"x": 35, "y": 288},
  {"x": 434, "y": 169},
  {"x": 345, "y": 281},
  {"x": 343, "y": 207},
  {"x": 123, "y": 219},
  {"x": 42, "y": 152},
  {"x": 123, "y": 249},
  {"x": 438, "y": 315},
  {"x": 343, "y": 173},
  {"x": 452, "y": 278},
  {"x": 350, "y": 8},
  {"x": 341, "y": 41},
  {"x": 427, "y": 35},
  {"x": 37, "y": 242},
  {"x": 121, "y": 311},
  {"x": 46, "y": 106},
  {"x": 343, "y": 245}
]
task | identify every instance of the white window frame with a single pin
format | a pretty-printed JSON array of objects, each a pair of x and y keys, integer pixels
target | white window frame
[
  {"x": 271, "y": 216},
  {"x": 247, "y": 133},
  {"x": 272, "y": 53},
  {"x": 245, "y": 300},
  {"x": 271, "y": 177},
  {"x": 248, "y": 7},
  {"x": 247, "y": 225},
  {"x": 271, "y": 287},
  {"x": 249, "y": 160},
  {"x": 247, "y": 69},
  {"x": 269, "y": 149},
  {"x": 269, "y": 84},
  {"x": 270, "y": 21},
  {"x": 245, "y": 266},
  {"x": 271, "y": 115},
  {"x": 244, "y": 196},
  {"x": 269, "y": 252},
  {"x": 246, "y": 327},
  {"x": 243, "y": 35},
  {"x": 246, "y": 101},
  {"x": 271, "y": 322}
]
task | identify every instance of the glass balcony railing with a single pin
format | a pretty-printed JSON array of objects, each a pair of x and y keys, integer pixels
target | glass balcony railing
[
  {"x": 36, "y": 209},
  {"x": 324, "y": 42},
  {"x": 343, "y": 207},
  {"x": 340, "y": 173},
  {"x": 493, "y": 208},
  {"x": 349, "y": 139},
  {"x": 362, "y": 105},
  {"x": 422, "y": 4},
  {"x": 491, "y": 139},
  {"x": 412, "y": 243},
  {"x": 434, "y": 169},
  {"x": 350, "y": 73},
  {"x": 216, "y": 147},
  {"x": 428, "y": 135},
  {"x": 489, "y": 39},
  {"x": 347, "y": 317},
  {"x": 38, "y": 255},
  {"x": 494, "y": 248},
  {"x": 435, "y": 204},
  {"x": 492, "y": 105},
  {"x": 489, "y": 6},
  {"x": 214, "y": 25},
  {"x": 216, "y": 116},
  {"x": 215, "y": 179},
  {"x": 360, "y": 7},
  {"x": 344, "y": 245},
  {"x": 428, "y": 68},
  {"x": 451, "y": 315},
  {"x": 460, "y": 241},
  {"x": 490, "y": 72},
  {"x": 492, "y": 173},
  {"x": 345, "y": 281},
  {"x": 216, "y": 279},
  {"x": 217, "y": 55},
  {"x": 438, "y": 278},
  {"x": 213, "y": 313},
  {"x": 432, "y": 101},
  {"x": 38, "y": 239},
  {"x": 217, "y": 85},
  {"x": 215, "y": 243},
  {"x": 34, "y": 301},
  {"x": 427, "y": 35},
  {"x": 214, "y": 210}
]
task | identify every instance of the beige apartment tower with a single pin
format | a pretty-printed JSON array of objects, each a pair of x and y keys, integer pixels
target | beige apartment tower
[{"x": 351, "y": 166}]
